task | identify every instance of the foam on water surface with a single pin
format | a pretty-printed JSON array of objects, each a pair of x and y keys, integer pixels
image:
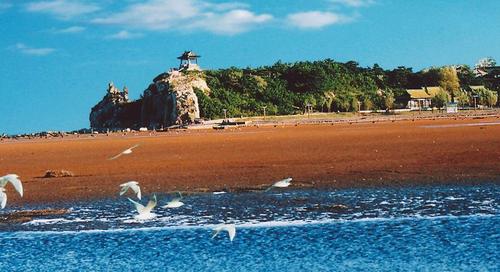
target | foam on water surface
[{"x": 412, "y": 229}]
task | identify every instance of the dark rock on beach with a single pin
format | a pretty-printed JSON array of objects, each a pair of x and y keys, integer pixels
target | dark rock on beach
[
  {"x": 58, "y": 173},
  {"x": 19, "y": 217}
]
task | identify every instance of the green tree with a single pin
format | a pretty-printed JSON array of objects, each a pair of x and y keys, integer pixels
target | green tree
[
  {"x": 462, "y": 99},
  {"x": 389, "y": 100},
  {"x": 487, "y": 97},
  {"x": 355, "y": 104},
  {"x": 367, "y": 104},
  {"x": 449, "y": 81},
  {"x": 486, "y": 62},
  {"x": 440, "y": 99},
  {"x": 329, "y": 98}
]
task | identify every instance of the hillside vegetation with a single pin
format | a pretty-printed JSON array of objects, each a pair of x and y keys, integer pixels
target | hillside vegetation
[{"x": 326, "y": 86}]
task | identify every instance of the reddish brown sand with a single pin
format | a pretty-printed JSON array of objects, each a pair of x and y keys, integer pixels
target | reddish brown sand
[{"x": 339, "y": 155}]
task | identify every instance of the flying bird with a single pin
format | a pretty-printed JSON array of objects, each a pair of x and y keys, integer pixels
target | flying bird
[
  {"x": 175, "y": 203},
  {"x": 134, "y": 185},
  {"x": 144, "y": 212},
  {"x": 125, "y": 152},
  {"x": 3, "y": 198},
  {"x": 280, "y": 184},
  {"x": 14, "y": 180},
  {"x": 231, "y": 230}
]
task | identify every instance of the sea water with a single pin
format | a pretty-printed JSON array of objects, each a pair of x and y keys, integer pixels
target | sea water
[{"x": 447, "y": 228}]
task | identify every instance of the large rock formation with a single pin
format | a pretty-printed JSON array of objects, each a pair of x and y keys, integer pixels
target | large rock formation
[
  {"x": 169, "y": 100},
  {"x": 113, "y": 111}
]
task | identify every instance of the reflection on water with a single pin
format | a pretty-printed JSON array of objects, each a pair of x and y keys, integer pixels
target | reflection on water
[{"x": 433, "y": 228}]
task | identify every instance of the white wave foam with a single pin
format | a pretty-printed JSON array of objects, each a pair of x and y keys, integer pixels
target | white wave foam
[
  {"x": 257, "y": 224},
  {"x": 454, "y": 198},
  {"x": 56, "y": 220}
]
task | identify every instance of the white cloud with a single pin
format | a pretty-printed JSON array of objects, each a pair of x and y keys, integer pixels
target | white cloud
[
  {"x": 353, "y": 3},
  {"x": 221, "y": 18},
  {"x": 64, "y": 9},
  {"x": 124, "y": 35},
  {"x": 70, "y": 30},
  {"x": 232, "y": 22},
  {"x": 27, "y": 50},
  {"x": 224, "y": 6},
  {"x": 316, "y": 19},
  {"x": 152, "y": 15}
]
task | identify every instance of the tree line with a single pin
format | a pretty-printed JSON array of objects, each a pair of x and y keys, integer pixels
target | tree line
[{"x": 330, "y": 86}]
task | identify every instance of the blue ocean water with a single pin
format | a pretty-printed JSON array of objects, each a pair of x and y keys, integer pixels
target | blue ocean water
[{"x": 411, "y": 229}]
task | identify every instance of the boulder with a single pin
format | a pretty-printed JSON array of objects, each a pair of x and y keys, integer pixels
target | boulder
[{"x": 58, "y": 173}]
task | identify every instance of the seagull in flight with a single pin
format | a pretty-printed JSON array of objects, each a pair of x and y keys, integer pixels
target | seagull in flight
[
  {"x": 144, "y": 212},
  {"x": 14, "y": 180},
  {"x": 175, "y": 203},
  {"x": 134, "y": 185},
  {"x": 3, "y": 198},
  {"x": 280, "y": 184},
  {"x": 124, "y": 152},
  {"x": 231, "y": 230}
]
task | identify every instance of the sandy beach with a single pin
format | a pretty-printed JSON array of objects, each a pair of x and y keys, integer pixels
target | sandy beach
[{"x": 398, "y": 153}]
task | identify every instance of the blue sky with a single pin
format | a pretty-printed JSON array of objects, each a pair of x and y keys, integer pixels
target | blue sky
[{"x": 57, "y": 56}]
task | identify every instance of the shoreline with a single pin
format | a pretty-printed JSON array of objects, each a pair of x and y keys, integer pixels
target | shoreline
[{"x": 343, "y": 155}]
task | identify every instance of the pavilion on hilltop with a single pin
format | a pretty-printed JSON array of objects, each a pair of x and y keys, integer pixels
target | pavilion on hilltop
[{"x": 189, "y": 61}]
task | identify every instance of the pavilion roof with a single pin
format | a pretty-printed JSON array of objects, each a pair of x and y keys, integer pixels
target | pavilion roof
[
  {"x": 188, "y": 55},
  {"x": 418, "y": 94}
]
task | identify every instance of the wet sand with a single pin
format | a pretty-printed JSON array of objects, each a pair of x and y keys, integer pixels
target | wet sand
[{"x": 401, "y": 153}]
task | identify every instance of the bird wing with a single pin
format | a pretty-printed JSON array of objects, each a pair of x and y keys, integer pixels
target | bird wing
[
  {"x": 180, "y": 195},
  {"x": 14, "y": 180},
  {"x": 151, "y": 204},
  {"x": 125, "y": 188},
  {"x": 215, "y": 232},
  {"x": 231, "y": 230},
  {"x": 3, "y": 181},
  {"x": 177, "y": 199},
  {"x": 134, "y": 146},
  {"x": 136, "y": 189},
  {"x": 3, "y": 199},
  {"x": 115, "y": 157},
  {"x": 138, "y": 206},
  {"x": 269, "y": 188}
]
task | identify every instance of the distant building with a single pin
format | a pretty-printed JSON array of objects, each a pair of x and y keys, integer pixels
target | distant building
[
  {"x": 476, "y": 88},
  {"x": 488, "y": 72},
  {"x": 189, "y": 61},
  {"x": 418, "y": 99},
  {"x": 421, "y": 99}
]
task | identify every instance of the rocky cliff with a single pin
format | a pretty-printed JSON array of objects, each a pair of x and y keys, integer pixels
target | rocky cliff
[{"x": 169, "y": 100}]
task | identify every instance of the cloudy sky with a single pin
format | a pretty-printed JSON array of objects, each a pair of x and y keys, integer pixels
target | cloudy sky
[{"x": 57, "y": 56}]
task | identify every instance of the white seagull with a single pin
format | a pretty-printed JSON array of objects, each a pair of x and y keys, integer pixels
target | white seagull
[
  {"x": 145, "y": 211},
  {"x": 3, "y": 198},
  {"x": 14, "y": 180},
  {"x": 231, "y": 230},
  {"x": 175, "y": 203},
  {"x": 280, "y": 184},
  {"x": 125, "y": 152},
  {"x": 134, "y": 185}
]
